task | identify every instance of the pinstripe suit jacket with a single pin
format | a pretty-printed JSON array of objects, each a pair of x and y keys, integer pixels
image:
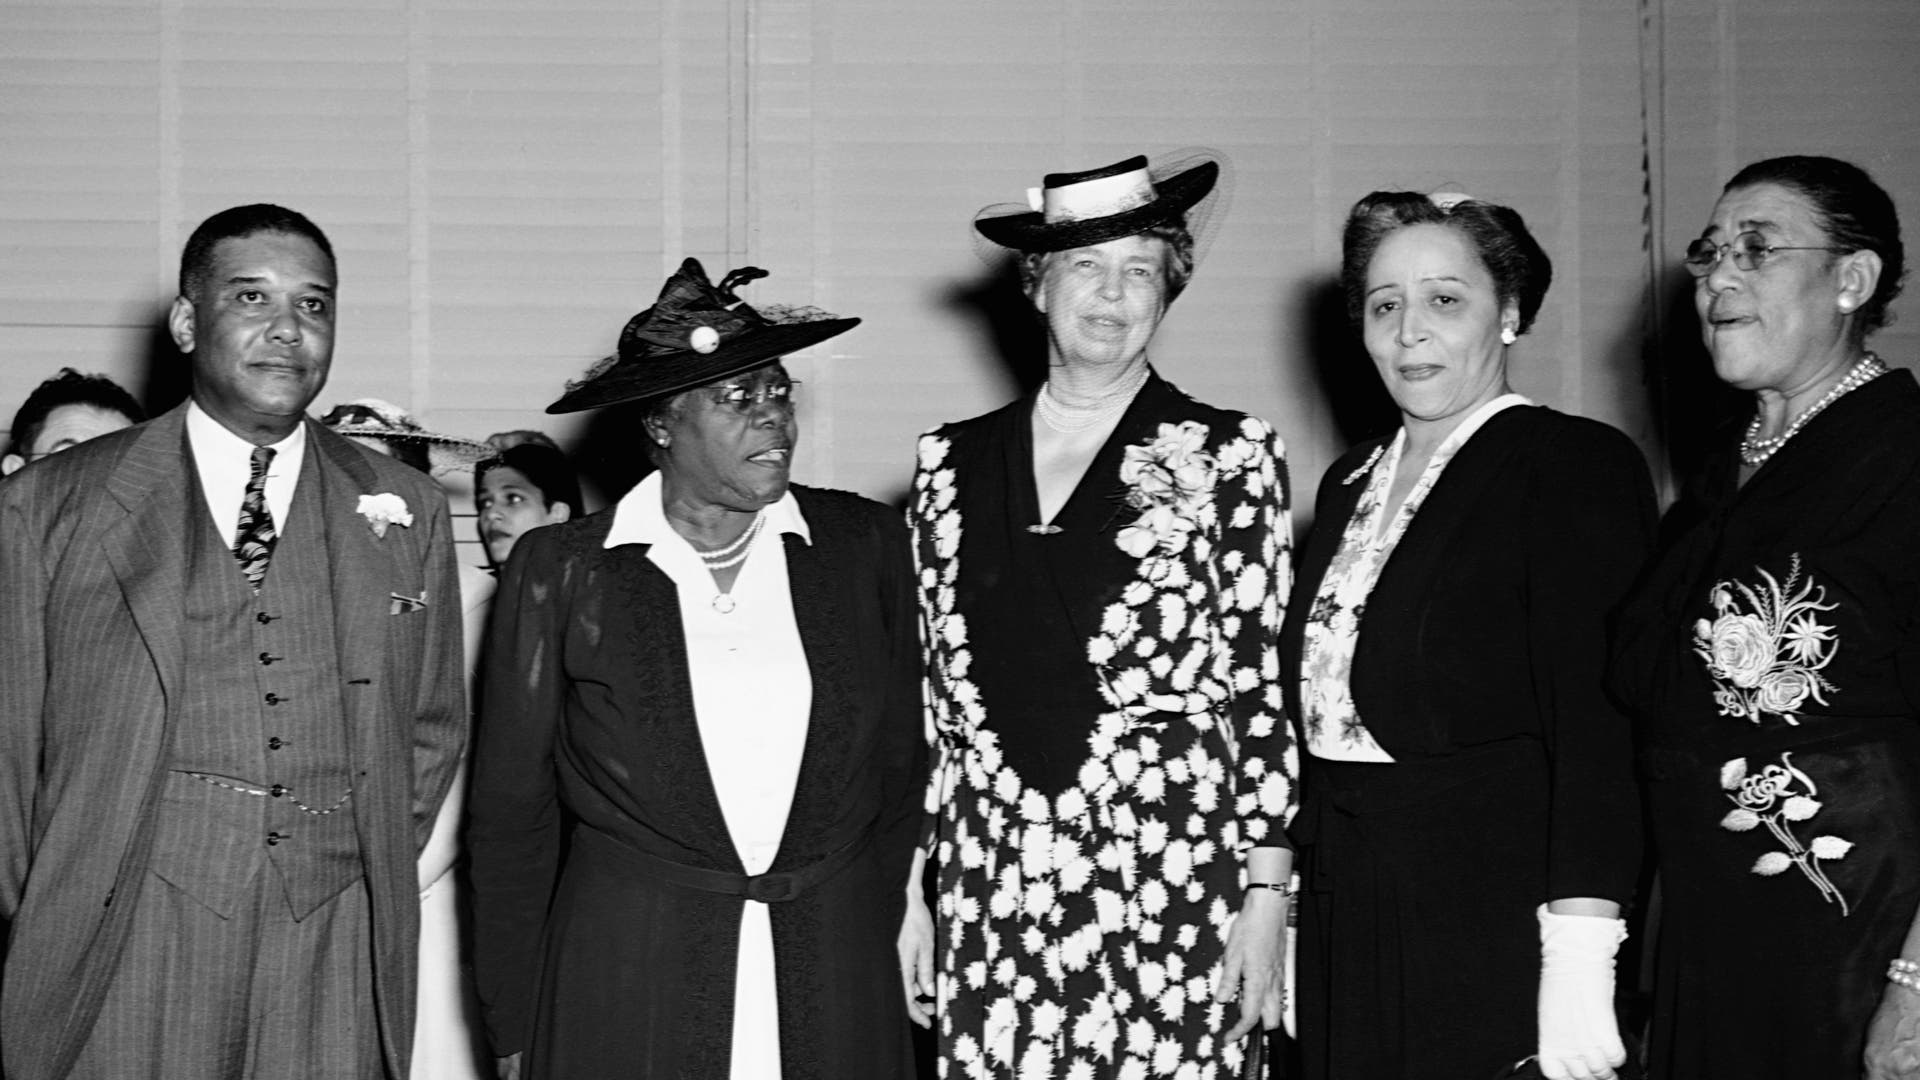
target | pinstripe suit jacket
[{"x": 92, "y": 561}]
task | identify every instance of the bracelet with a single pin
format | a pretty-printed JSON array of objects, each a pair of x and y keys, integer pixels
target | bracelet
[
  {"x": 1901, "y": 963},
  {"x": 1901, "y": 978},
  {"x": 1284, "y": 888}
]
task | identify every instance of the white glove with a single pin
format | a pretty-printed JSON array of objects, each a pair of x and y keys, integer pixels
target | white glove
[{"x": 1579, "y": 1038}]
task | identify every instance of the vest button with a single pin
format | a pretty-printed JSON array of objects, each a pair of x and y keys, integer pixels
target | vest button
[
  {"x": 275, "y": 743},
  {"x": 277, "y": 790},
  {"x": 273, "y": 699},
  {"x": 263, "y": 618},
  {"x": 274, "y": 838},
  {"x": 267, "y": 658}
]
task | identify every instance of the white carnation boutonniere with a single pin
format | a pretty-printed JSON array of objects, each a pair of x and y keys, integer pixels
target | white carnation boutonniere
[
  {"x": 383, "y": 510},
  {"x": 1167, "y": 479}
]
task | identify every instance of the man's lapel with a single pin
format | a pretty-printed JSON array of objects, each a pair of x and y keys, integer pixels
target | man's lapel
[
  {"x": 147, "y": 544},
  {"x": 358, "y": 567}
]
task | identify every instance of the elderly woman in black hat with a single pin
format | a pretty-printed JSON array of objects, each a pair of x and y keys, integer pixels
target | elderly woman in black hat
[
  {"x": 696, "y": 788},
  {"x": 1102, "y": 571}
]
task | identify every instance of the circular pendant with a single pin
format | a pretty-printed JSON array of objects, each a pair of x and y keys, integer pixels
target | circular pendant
[{"x": 723, "y": 604}]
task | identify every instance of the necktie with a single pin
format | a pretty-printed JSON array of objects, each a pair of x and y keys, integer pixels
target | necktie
[{"x": 254, "y": 544}]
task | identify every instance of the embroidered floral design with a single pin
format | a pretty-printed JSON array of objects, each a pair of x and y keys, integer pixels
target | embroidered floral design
[
  {"x": 1167, "y": 481},
  {"x": 383, "y": 510},
  {"x": 1765, "y": 654},
  {"x": 1778, "y": 796}
]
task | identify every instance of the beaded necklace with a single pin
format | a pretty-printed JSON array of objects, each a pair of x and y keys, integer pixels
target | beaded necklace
[
  {"x": 1068, "y": 419},
  {"x": 1754, "y": 451}
]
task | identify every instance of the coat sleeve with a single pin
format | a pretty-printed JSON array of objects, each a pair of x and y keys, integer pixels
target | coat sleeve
[
  {"x": 1590, "y": 527},
  {"x": 930, "y": 503},
  {"x": 513, "y": 832},
  {"x": 1255, "y": 571},
  {"x": 902, "y": 748},
  {"x": 440, "y": 717},
  {"x": 23, "y": 688}
]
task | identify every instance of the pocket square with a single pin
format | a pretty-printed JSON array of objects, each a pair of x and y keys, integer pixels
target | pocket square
[{"x": 406, "y": 603}]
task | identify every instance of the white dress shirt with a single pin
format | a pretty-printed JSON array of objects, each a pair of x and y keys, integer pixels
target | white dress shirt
[
  {"x": 225, "y": 464},
  {"x": 752, "y": 693}
]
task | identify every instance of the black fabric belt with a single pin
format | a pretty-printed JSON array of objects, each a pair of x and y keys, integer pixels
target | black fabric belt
[
  {"x": 769, "y": 888},
  {"x": 1660, "y": 763}
]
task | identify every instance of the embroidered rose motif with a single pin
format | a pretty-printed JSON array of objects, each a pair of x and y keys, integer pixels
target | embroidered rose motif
[
  {"x": 383, "y": 510},
  {"x": 1741, "y": 648},
  {"x": 1167, "y": 481},
  {"x": 1778, "y": 796},
  {"x": 1765, "y": 646}
]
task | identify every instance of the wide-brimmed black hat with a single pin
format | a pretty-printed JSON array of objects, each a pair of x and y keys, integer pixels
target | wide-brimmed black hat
[
  {"x": 695, "y": 333},
  {"x": 1076, "y": 209}
]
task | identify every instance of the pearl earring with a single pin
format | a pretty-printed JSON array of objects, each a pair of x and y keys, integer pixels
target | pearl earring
[{"x": 1507, "y": 336}]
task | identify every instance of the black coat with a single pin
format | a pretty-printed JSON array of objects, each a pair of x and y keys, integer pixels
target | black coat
[
  {"x": 587, "y": 717},
  {"x": 1479, "y": 668}
]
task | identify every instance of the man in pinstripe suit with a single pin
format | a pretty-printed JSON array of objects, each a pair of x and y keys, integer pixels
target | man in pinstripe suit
[{"x": 231, "y": 700}]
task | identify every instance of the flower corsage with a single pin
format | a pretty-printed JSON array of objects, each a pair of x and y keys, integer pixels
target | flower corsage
[
  {"x": 383, "y": 510},
  {"x": 1167, "y": 480}
]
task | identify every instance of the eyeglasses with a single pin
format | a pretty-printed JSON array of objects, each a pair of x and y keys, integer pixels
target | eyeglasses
[
  {"x": 1750, "y": 251},
  {"x": 744, "y": 399}
]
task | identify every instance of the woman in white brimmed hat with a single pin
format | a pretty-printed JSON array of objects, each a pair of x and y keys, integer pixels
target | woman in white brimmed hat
[{"x": 1103, "y": 564}]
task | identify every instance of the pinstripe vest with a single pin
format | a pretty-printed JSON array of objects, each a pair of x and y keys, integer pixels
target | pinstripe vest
[{"x": 260, "y": 747}]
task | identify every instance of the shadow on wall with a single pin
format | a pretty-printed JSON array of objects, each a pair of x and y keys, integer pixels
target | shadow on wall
[
  {"x": 1342, "y": 372},
  {"x": 1008, "y": 328},
  {"x": 611, "y": 454},
  {"x": 1692, "y": 410},
  {"x": 167, "y": 377}
]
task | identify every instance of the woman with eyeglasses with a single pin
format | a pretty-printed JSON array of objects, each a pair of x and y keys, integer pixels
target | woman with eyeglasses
[
  {"x": 1772, "y": 655},
  {"x": 699, "y": 767}
]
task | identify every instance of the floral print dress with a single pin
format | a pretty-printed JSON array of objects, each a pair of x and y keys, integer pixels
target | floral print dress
[
  {"x": 1772, "y": 656},
  {"x": 1107, "y": 734}
]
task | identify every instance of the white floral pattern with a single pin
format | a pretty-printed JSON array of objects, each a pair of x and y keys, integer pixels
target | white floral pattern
[
  {"x": 1780, "y": 796},
  {"x": 1765, "y": 647},
  {"x": 1085, "y": 930}
]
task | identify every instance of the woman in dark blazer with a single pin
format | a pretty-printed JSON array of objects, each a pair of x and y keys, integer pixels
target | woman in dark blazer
[
  {"x": 1469, "y": 826},
  {"x": 696, "y": 791}
]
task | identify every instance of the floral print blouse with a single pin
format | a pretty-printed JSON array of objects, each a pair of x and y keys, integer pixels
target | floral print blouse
[{"x": 1334, "y": 729}]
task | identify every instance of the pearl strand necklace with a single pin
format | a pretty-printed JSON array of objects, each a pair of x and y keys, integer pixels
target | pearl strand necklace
[
  {"x": 732, "y": 555},
  {"x": 1068, "y": 419},
  {"x": 1755, "y": 451}
]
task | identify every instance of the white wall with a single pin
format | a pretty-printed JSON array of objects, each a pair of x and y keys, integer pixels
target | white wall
[{"x": 508, "y": 180}]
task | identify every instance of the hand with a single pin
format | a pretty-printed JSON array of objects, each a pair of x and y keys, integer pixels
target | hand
[
  {"x": 916, "y": 959},
  {"x": 507, "y": 1068},
  {"x": 1256, "y": 956},
  {"x": 1893, "y": 1038},
  {"x": 1579, "y": 1036}
]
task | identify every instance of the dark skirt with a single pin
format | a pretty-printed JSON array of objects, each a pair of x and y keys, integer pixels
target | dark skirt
[
  {"x": 1419, "y": 952},
  {"x": 638, "y": 978},
  {"x": 1772, "y": 975}
]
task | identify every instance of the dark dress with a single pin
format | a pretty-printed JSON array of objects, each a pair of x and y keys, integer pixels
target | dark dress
[
  {"x": 1108, "y": 740},
  {"x": 609, "y": 963},
  {"x": 1479, "y": 669},
  {"x": 1772, "y": 660}
]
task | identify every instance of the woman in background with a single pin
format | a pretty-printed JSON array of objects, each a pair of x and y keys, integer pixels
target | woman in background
[{"x": 1470, "y": 828}]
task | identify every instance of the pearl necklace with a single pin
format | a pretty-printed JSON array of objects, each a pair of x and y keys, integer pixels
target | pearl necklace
[
  {"x": 1754, "y": 451},
  {"x": 729, "y": 556},
  {"x": 1068, "y": 419}
]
